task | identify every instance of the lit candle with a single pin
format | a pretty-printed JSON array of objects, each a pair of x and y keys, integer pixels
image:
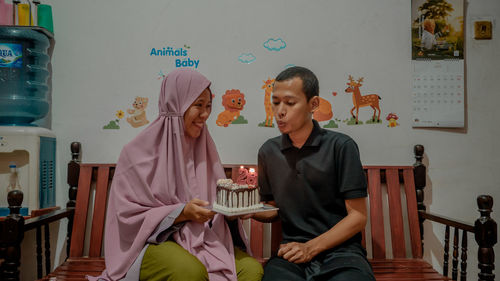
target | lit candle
[
  {"x": 242, "y": 175},
  {"x": 252, "y": 177}
]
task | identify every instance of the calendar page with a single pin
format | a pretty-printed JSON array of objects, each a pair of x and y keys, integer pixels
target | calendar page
[
  {"x": 438, "y": 93},
  {"x": 437, "y": 63}
]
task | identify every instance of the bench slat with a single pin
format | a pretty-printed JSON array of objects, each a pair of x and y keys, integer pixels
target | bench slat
[
  {"x": 411, "y": 203},
  {"x": 80, "y": 219},
  {"x": 99, "y": 211},
  {"x": 256, "y": 238},
  {"x": 396, "y": 217},
  {"x": 363, "y": 238},
  {"x": 376, "y": 213},
  {"x": 276, "y": 237}
]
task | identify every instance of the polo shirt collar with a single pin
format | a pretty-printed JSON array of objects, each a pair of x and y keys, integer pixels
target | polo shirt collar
[{"x": 314, "y": 138}]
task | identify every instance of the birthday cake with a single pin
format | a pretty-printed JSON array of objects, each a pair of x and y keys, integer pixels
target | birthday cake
[{"x": 234, "y": 197}]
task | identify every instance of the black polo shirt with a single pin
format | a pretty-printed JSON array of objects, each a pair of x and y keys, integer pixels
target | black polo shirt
[{"x": 310, "y": 184}]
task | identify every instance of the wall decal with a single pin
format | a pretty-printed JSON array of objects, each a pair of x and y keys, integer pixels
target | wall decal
[
  {"x": 233, "y": 102},
  {"x": 161, "y": 75},
  {"x": 180, "y": 54},
  {"x": 275, "y": 44},
  {"x": 268, "y": 89},
  {"x": 138, "y": 112},
  {"x": 392, "y": 117},
  {"x": 115, "y": 124},
  {"x": 324, "y": 111},
  {"x": 332, "y": 123},
  {"x": 240, "y": 120},
  {"x": 359, "y": 100},
  {"x": 352, "y": 121},
  {"x": 247, "y": 58}
]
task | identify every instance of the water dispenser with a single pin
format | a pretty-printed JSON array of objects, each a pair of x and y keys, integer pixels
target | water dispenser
[{"x": 24, "y": 99}]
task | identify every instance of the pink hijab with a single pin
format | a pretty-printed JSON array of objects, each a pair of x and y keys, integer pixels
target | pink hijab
[{"x": 158, "y": 172}]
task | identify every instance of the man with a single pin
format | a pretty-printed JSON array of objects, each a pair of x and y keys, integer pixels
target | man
[{"x": 316, "y": 179}]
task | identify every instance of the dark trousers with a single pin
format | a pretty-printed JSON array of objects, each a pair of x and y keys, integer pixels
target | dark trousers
[{"x": 333, "y": 267}]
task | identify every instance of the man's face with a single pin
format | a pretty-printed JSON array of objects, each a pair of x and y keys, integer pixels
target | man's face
[{"x": 290, "y": 105}]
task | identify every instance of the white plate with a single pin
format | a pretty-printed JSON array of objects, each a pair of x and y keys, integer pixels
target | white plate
[{"x": 265, "y": 208}]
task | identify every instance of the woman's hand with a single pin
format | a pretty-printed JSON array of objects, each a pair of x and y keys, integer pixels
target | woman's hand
[{"x": 195, "y": 211}]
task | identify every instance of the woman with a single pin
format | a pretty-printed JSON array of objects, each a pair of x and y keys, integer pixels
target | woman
[{"x": 157, "y": 227}]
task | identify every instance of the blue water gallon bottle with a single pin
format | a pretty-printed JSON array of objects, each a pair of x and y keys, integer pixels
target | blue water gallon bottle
[{"x": 24, "y": 74}]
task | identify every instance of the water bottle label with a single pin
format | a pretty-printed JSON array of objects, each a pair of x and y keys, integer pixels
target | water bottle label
[{"x": 11, "y": 55}]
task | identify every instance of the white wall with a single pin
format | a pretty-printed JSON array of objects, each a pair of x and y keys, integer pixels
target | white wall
[{"x": 101, "y": 62}]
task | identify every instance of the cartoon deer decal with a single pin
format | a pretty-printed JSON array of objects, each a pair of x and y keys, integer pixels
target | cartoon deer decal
[
  {"x": 268, "y": 89},
  {"x": 361, "y": 101}
]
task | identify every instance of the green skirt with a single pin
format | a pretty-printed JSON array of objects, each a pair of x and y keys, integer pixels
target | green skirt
[{"x": 169, "y": 261}]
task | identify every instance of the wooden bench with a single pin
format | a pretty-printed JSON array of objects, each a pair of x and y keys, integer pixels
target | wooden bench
[{"x": 392, "y": 261}]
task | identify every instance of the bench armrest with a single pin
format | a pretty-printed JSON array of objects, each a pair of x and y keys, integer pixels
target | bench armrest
[
  {"x": 48, "y": 218},
  {"x": 485, "y": 234},
  {"x": 446, "y": 221}
]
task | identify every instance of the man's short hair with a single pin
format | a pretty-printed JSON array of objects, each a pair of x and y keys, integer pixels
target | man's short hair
[{"x": 310, "y": 84}]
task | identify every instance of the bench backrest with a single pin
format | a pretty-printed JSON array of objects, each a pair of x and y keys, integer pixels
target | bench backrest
[
  {"x": 388, "y": 219},
  {"x": 386, "y": 185},
  {"x": 395, "y": 181},
  {"x": 91, "y": 177}
]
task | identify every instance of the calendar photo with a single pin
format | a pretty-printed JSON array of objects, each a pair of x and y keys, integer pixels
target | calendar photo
[{"x": 437, "y": 29}]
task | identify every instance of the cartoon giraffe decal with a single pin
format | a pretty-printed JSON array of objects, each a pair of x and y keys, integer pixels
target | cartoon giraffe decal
[
  {"x": 361, "y": 101},
  {"x": 268, "y": 86}
]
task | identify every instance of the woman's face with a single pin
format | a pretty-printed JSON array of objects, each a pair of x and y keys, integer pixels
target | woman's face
[{"x": 196, "y": 115}]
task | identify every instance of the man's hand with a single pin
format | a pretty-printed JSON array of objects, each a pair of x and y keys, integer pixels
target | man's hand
[
  {"x": 296, "y": 252},
  {"x": 353, "y": 223},
  {"x": 194, "y": 211},
  {"x": 243, "y": 217},
  {"x": 268, "y": 216}
]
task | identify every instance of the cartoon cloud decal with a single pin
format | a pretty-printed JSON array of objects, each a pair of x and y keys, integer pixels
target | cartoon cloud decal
[
  {"x": 247, "y": 58},
  {"x": 275, "y": 44}
]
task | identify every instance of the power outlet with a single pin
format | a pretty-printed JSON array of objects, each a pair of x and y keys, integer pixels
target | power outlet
[{"x": 482, "y": 30}]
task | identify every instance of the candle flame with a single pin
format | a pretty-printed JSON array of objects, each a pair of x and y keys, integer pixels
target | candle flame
[
  {"x": 241, "y": 167},
  {"x": 252, "y": 170}
]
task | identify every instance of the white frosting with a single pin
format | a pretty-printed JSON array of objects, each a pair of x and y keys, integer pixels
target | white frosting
[
  {"x": 225, "y": 182},
  {"x": 247, "y": 196},
  {"x": 234, "y": 210}
]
